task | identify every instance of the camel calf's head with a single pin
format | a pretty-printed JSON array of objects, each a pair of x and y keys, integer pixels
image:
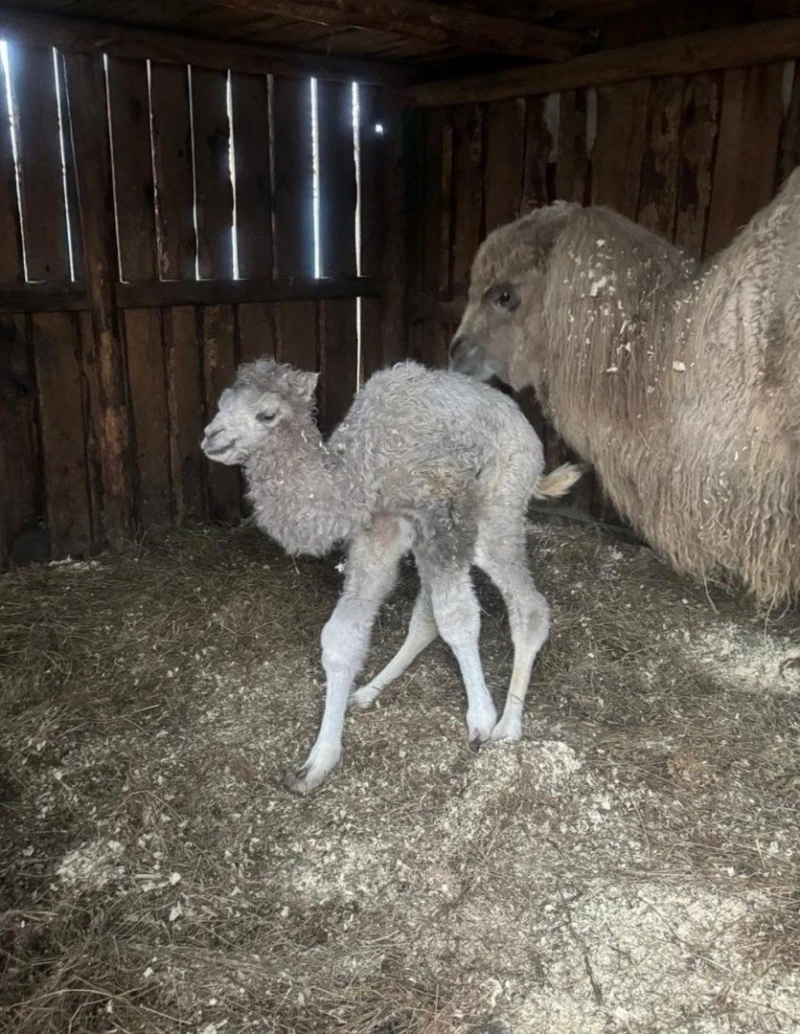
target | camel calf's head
[{"x": 503, "y": 313}]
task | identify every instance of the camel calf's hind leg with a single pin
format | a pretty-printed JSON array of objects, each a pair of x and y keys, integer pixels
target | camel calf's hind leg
[
  {"x": 421, "y": 633},
  {"x": 372, "y": 565}
]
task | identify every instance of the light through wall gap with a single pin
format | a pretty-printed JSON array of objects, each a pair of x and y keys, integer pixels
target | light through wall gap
[{"x": 13, "y": 129}]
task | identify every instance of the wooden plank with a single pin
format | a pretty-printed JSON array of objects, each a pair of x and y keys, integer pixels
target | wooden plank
[
  {"x": 747, "y": 150},
  {"x": 293, "y": 186},
  {"x": 431, "y": 268},
  {"x": 11, "y": 267},
  {"x": 505, "y": 152},
  {"x": 251, "y": 134},
  {"x": 172, "y": 159},
  {"x": 148, "y": 391},
  {"x": 444, "y": 25},
  {"x": 129, "y": 109},
  {"x": 699, "y": 123},
  {"x": 338, "y": 359},
  {"x": 297, "y": 334},
  {"x": 734, "y": 47},
  {"x": 59, "y": 397},
  {"x": 213, "y": 190},
  {"x": 619, "y": 146},
  {"x": 219, "y": 367},
  {"x": 22, "y": 537},
  {"x": 188, "y": 466},
  {"x": 337, "y": 179},
  {"x": 467, "y": 191},
  {"x": 70, "y": 181},
  {"x": 59, "y": 296},
  {"x": 658, "y": 194},
  {"x": 789, "y": 153},
  {"x": 538, "y": 145},
  {"x": 87, "y": 110},
  {"x": 572, "y": 166},
  {"x": 89, "y": 382},
  {"x": 43, "y": 208},
  {"x": 83, "y": 35},
  {"x": 339, "y": 344},
  {"x": 374, "y": 152},
  {"x": 394, "y": 265},
  {"x": 256, "y": 331}
]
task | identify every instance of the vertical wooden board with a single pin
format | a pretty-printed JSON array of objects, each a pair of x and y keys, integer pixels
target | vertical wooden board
[
  {"x": 293, "y": 187},
  {"x": 250, "y": 110},
  {"x": 789, "y": 153},
  {"x": 339, "y": 344},
  {"x": 572, "y": 167},
  {"x": 61, "y": 421},
  {"x": 372, "y": 356},
  {"x": 698, "y": 131},
  {"x": 148, "y": 390},
  {"x": 297, "y": 334},
  {"x": 21, "y": 536},
  {"x": 537, "y": 150},
  {"x": 256, "y": 326},
  {"x": 11, "y": 267},
  {"x": 214, "y": 193},
  {"x": 337, "y": 179},
  {"x": 338, "y": 355},
  {"x": 70, "y": 177},
  {"x": 219, "y": 367},
  {"x": 172, "y": 159},
  {"x": 92, "y": 423},
  {"x": 188, "y": 465},
  {"x": 432, "y": 268},
  {"x": 374, "y": 121},
  {"x": 747, "y": 150},
  {"x": 43, "y": 207},
  {"x": 658, "y": 193},
  {"x": 619, "y": 146},
  {"x": 467, "y": 191},
  {"x": 129, "y": 106},
  {"x": 505, "y": 151}
]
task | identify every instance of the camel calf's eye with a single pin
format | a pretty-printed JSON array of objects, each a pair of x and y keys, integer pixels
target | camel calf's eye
[
  {"x": 504, "y": 296},
  {"x": 265, "y": 417}
]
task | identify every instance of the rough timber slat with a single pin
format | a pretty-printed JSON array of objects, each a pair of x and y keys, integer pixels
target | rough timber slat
[
  {"x": 572, "y": 167},
  {"x": 87, "y": 113},
  {"x": 749, "y": 133},
  {"x": 43, "y": 210},
  {"x": 188, "y": 466},
  {"x": 339, "y": 342},
  {"x": 505, "y": 150},
  {"x": 172, "y": 160},
  {"x": 681, "y": 55},
  {"x": 699, "y": 124},
  {"x": 72, "y": 297},
  {"x": 619, "y": 147},
  {"x": 442, "y": 24},
  {"x": 11, "y": 267},
  {"x": 213, "y": 192},
  {"x": 538, "y": 143},
  {"x": 219, "y": 363},
  {"x": 250, "y": 111},
  {"x": 659, "y": 183},
  {"x": 21, "y": 537},
  {"x": 58, "y": 378},
  {"x": 95, "y": 37}
]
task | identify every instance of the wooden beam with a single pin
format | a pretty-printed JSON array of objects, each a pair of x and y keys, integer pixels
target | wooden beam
[
  {"x": 122, "y": 40},
  {"x": 109, "y": 412},
  {"x": 55, "y": 296},
  {"x": 443, "y": 24},
  {"x": 699, "y": 52}
]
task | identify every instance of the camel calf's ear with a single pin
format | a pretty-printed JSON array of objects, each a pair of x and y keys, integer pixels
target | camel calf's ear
[{"x": 305, "y": 383}]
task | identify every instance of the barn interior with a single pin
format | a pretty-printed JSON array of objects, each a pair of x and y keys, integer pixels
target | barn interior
[{"x": 188, "y": 185}]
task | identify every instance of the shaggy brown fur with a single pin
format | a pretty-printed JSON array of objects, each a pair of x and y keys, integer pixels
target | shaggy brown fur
[{"x": 681, "y": 386}]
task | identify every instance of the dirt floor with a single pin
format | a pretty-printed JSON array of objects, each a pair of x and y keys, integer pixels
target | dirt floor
[{"x": 632, "y": 866}]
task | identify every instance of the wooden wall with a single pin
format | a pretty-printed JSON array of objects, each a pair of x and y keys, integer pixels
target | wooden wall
[
  {"x": 691, "y": 157},
  {"x": 120, "y": 316}
]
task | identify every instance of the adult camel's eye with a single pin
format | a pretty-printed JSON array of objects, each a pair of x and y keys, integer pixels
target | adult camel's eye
[{"x": 504, "y": 296}]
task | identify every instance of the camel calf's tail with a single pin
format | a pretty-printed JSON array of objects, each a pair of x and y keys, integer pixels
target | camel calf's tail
[{"x": 558, "y": 482}]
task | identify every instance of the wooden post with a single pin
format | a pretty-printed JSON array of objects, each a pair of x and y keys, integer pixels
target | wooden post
[{"x": 109, "y": 411}]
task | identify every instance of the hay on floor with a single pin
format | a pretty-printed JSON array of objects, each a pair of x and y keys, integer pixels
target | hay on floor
[{"x": 632, "y": 865}]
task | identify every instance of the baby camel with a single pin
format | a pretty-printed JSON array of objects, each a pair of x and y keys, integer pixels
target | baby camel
[{"x": 426, "y": 461}]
